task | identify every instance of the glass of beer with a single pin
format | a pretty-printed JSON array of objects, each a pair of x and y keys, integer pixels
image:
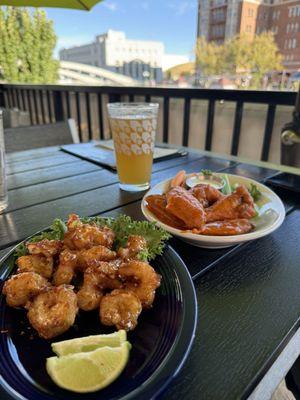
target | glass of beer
[{"x": 133, "y": 128}]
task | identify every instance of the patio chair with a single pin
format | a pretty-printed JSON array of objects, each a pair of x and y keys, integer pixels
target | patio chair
[{"x": 32, "y": 137}]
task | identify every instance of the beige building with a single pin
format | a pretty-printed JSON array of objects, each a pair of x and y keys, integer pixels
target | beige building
[{"x": 219, "y": 20}]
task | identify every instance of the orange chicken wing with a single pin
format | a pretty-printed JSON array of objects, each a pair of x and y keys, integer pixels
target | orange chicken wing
[
  {"x": 157, "y": 204},
  {"x": 239, "y": 204},
  {"x": 186, "y": 207},
  {"x": 206, "y": 194},
  {"x": 226, "y": 228}
]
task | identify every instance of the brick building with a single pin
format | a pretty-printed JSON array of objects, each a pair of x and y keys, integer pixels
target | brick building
[{"x": 219, "y": 20}]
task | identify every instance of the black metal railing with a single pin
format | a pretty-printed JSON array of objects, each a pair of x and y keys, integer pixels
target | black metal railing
[{"x": 50, "y": 103}]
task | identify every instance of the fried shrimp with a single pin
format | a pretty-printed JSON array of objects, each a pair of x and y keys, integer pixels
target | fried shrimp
[
  {"x": 135, "y": 244},
  {"x": 66, "y": 268},
  {"x": 120, "y": 308},
  {"x": 36, "y": 263},
  {"x": 94, "y": 256},
  {"x": 47, "y": 248},
  {"x": 53, "y": 311},
  {"x": 141, "y": 279},
  {"x": 95, "y": 281},
  {"x": 82, "y": 236},
  {"x": 86, "y": 258},
  {"x": 20, "y": 288}
]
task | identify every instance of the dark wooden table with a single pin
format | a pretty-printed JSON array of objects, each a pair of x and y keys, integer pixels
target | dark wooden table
[{"x": 248, "y": 295}]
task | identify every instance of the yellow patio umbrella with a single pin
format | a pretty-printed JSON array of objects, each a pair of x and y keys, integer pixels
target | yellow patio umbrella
[{"x": 78, "y": 4}]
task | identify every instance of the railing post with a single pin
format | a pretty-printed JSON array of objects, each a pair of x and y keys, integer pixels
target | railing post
[
  {"x": 2, "y": 97},
  {"x": 58, "y": 106}
]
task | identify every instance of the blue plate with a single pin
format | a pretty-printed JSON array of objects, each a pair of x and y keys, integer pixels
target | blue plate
[{"x": 160, "y": 342}]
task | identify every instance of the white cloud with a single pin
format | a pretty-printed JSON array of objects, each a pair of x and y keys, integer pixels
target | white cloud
[
  {"x": 110, "y": 5},
  {"x": 182, "y": 7}
]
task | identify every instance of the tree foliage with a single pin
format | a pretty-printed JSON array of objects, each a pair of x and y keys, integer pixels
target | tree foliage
[
  {"x": 27, "y": 41},
  {"x": 239, "y": 55}
]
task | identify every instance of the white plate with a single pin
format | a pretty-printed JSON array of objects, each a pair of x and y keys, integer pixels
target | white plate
[{"x": 271, "y": 216}]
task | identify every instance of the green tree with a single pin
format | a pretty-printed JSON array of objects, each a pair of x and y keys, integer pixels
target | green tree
[
  {"x": 265, "y": 57},
  {"x": 210, "y": 57},
  {"x": 27, "y": 41},
  {"x": 240, "y": 55}
]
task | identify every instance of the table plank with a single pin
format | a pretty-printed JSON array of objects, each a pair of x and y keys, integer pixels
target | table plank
[
  {"x": 44, "y": 162},
  {"x": 22, "y": 179},
  {"x": 28, "y": 178},
  {"x": 30, "y": 154},
  {"x": 252, "y": 171},
  {"x": 22, "y": 223},
  {"x": 58, "y": 189},
  {"x": 247, "y": 307}
]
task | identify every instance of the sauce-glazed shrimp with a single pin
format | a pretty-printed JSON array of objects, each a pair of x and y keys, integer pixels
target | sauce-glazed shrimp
[
  {"x": 84, "y": 236},
  {"x": 36, "y": 263},
  {"x": 135, "y": 244},
  {"x": 47, "y": 248},
  {"x": 66, "y": 268},
  {"x": 95, "y": 281},
  {"x": 20, "y": 288},
  {"x": 120, "y": 308},
  {"x": 53, "y": 311},
  {"x": 141, "y": 279}
]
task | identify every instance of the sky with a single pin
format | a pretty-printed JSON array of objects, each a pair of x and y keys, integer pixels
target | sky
[{"x": 171, "y": 21}]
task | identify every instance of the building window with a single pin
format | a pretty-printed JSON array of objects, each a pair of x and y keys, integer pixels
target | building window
[
  {"x": 278, "y": 14},
  {"x": 296, "y": 26},
  {"x": 274, "y": 15},
  {"x": 294, "y": 43},
  {"x": 250, "y": 12},
  {"x": 248, "y": 28},
  {"x": 288, "y": 28}
]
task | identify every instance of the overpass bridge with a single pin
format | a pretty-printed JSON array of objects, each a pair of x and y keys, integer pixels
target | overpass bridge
[{"x": 83, "y": 74}]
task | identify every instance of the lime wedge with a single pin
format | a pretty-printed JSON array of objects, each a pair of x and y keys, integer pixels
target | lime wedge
[
  {"x": 89, "y": 371},
  {"x": 89, "y": 343}
]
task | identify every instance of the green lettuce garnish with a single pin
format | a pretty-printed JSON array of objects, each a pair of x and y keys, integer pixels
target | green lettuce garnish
[
  {"x": 55, "y": 232},
  {"x": 123, "y": 226}
]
